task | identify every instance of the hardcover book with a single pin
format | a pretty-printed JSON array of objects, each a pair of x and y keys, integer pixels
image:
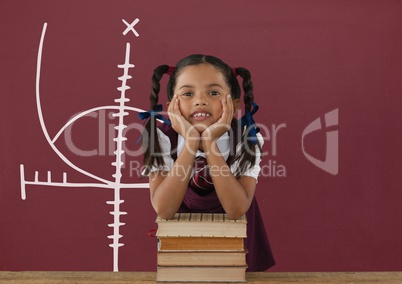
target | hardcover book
[{"x": 202, "y": 225}]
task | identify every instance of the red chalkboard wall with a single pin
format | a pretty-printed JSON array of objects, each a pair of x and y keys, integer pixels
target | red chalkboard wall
[{"x": 327, "y": 76}]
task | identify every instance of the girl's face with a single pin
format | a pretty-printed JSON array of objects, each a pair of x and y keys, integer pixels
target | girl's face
[{"x": 201, "y": 89}]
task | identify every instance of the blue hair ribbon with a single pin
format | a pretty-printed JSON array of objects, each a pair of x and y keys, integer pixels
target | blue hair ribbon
[
  {"x": 248, "y": 120},
  {"x": 153, "y": 113}
]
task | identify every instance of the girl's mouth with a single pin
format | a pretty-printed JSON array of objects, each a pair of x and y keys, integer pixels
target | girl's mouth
[{"x": 201, "y": 115}]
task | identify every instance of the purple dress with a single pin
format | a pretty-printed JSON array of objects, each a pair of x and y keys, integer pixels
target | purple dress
[{"x": 259, "y": 256}]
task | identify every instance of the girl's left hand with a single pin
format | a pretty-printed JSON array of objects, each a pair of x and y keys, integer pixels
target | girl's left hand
[{"x": 217, "y": 129}]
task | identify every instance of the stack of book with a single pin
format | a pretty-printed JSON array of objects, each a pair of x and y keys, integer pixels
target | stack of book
[{"x": 201, "y": 247}]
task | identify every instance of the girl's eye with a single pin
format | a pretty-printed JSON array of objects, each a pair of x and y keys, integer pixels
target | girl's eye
[
  {"x": 187, "y": 94},
  {"x": 214, "y": 93}
]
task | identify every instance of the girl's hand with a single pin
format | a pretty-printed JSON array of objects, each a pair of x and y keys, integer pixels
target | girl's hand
[
  {"x": 217, "y": 129},
  {"x": 181, "y": 125}
]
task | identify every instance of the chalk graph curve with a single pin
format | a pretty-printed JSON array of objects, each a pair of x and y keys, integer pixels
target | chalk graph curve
[
  {"x": 41, "y": 120},
  {"x": 52, "y": 142},
  {"x": 116, "y": 185},
  {"x": 84, "y": 113}
]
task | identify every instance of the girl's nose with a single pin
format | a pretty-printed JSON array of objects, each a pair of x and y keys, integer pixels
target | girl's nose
[{"x": 200, "y": 100}]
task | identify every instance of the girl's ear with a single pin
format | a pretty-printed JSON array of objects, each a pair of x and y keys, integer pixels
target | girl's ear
[{"x": 236, "y": 105}]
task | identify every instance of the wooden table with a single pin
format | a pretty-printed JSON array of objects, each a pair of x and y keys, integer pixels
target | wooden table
[{"x": 47, "y": 277}]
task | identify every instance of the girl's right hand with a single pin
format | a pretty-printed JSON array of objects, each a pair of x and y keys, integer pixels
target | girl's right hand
[{"x": 181, "y": 125}]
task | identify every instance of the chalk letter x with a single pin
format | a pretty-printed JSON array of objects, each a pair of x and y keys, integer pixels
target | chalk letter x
[{"x": 130, "y": 27}]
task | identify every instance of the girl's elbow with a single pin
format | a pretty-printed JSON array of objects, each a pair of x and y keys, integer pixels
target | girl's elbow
[
  {"x": 164, "y": 213},
  {"x": 235, "y": 214}
]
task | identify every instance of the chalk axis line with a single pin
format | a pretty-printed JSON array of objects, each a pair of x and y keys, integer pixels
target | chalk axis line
[{"x": 115, "y": 183}]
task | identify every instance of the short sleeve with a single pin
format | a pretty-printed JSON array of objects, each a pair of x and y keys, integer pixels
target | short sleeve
[
  {"x": 253, "y": 171},
  {"x": 166, "y": 147}
]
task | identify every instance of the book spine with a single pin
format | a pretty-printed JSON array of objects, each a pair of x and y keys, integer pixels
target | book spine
[
  {"x": 197, "y": 258},
  {"x": 201, "y": 274},
  {"x": 200, "y": 243}
]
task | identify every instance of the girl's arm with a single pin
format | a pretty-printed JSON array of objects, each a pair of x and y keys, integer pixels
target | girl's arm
[
  {"x": 168, "y": 188},
  {"x": 235, "y": 195}
]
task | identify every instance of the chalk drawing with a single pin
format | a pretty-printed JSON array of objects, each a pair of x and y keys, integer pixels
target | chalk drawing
[
  {"x": 130, "y": 27},
  {"x": 99, "y": 182}
]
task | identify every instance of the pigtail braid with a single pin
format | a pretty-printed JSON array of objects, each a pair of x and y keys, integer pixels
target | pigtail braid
[
  {"x": 156, "y": 86},
  {"x": 247, "y": 157},
  {"x": 150, "y": 141},
  {"x": 247, "y": 87}
]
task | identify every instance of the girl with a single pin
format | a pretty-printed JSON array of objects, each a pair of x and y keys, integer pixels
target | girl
[{"x": 204, "y": 159}]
